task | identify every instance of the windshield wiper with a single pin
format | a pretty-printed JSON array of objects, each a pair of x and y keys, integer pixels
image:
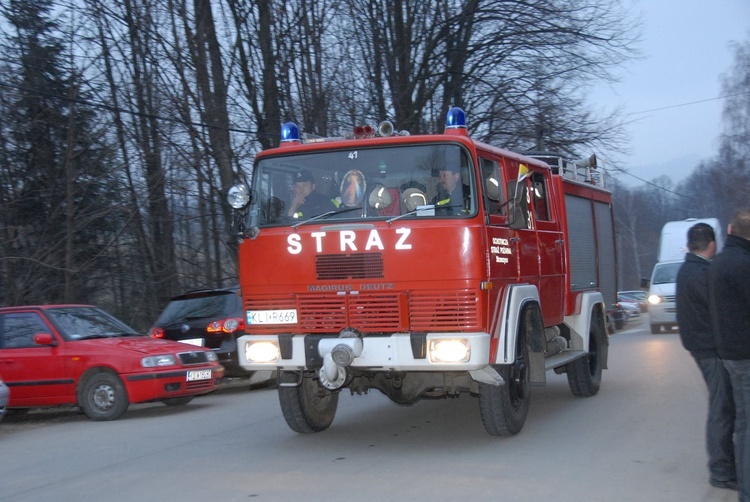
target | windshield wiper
[{"x": 326, "y": 215}]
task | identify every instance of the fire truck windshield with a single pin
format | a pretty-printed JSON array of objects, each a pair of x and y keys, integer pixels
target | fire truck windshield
[{"x": 426, "y": 180}]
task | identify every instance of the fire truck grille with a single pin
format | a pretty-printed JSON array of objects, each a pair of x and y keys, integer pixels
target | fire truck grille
[
  {"x": 444, "y": 311},
  {"x": 386, "y": 312},
  {"x": 353, "y": 266}
]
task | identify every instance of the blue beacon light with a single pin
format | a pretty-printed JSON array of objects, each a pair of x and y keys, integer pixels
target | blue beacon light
[
  {"x": 456, "y": 119},
  {"x": 289, "y": 132}
]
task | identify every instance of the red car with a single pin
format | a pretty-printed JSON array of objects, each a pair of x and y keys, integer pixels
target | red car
[{"x": 79, "y": 354}]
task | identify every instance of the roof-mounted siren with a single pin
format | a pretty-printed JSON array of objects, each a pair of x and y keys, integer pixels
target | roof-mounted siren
[
  {"x": 385, "y": 128},
  {"x": 586, "y": 167},
  {"x": 289, "y": 134},
  {"x": 455, "y": 122}
]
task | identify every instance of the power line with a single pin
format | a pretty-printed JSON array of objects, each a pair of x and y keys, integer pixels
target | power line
[{"x": 689, "y": 103}]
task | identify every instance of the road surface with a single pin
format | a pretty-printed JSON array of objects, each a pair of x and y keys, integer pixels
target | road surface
[{"x": 639, "y": 439}]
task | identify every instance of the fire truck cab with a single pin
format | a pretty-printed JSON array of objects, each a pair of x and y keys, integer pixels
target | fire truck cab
[{"x": 423, "y": 266}]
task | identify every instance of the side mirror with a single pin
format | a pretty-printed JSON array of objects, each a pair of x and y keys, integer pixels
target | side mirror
[
  {"x": 518, "y": 214},
  {"x": 645, "y": 283},
  {"x": 44, "y": 339}
]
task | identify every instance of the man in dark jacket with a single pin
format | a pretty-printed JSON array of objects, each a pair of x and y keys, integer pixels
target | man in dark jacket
[
  {"x": 696, "y": 333},
  {"x": 729, "y": 291}
]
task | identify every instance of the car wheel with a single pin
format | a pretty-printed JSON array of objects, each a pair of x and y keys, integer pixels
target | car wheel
[
  {"x": 619, "y": 323},
  {"x": 655, "y": 329},
  {"x": 103, "y": 397},
  {"x": 177, "y": 401},
  {"x": 504, "y": 408},
  {"x": 585, "y": 373},
  {"x": 306, "y": 405}
]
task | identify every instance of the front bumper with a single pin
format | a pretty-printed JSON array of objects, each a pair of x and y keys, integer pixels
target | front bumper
[
  {"x": 663, "y": 313},
  {"x": 168, "y": 383},
  {"x": 396, "y": 352}
]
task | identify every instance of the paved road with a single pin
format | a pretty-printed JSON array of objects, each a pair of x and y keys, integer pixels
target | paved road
[{"x": 640, "y": 439}]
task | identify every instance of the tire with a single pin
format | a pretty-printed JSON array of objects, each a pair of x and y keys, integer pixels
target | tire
[
  {"x": 620, "y": 323},
  {"x": 655, "y": 329},
  {"x": 307, "y": 407},
  {"x": 585, "y": 373},
  {"x": 504, "y": 408},
  {"x": 103, "y": 397},
  {"x": 177, "y": 401}
]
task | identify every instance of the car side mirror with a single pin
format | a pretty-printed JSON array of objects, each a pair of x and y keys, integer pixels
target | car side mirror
[
  {"x": 44, "y": 339},
  {"x": 645, "y": 283}
]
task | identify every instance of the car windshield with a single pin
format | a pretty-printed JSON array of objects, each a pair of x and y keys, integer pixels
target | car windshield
[
  {"x": 666, "y": 272},
  {"x": 211, "y": 306},
  {"x": 363, "y": 183},
  {"x": 77, "y": 323}
]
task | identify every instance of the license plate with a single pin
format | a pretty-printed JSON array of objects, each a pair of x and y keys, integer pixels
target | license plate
[
  {"x": 272, "y": 316},
  {"x": 193, "y": 341},
  {"x": 194, "y": 375}
]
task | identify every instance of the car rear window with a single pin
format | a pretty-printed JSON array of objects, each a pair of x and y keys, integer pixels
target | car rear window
[{"x": 214, "y": 305}]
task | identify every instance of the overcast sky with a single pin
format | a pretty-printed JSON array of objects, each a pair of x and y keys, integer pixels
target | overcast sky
[{"x": 686, "y": 47}]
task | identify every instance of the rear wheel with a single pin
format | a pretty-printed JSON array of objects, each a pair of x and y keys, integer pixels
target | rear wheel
[
  {"x": 655, "y": 329},
  {"x": 307, "y": 407},
  {"x": 103, "y": 397},
  {"x": 585, "y": 373},
  {"x": 504, "y": 408}
]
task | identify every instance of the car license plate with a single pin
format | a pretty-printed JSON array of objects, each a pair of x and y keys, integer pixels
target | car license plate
[
  {"x": 272, "y": 316},
  {"x": 193, "y": 341},
  {"x": 194, "y": 375}
]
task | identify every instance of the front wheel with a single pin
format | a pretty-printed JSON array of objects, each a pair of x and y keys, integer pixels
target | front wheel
[
  {"x": 307, "y": 407},
  {"x": 103, "y": 397},
  {"x": 504, "y": 408},
  {"x": 655, "y": 329},
  {"x": 585, "y": 373}
]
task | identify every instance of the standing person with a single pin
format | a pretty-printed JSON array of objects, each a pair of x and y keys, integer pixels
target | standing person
[
  {"x": 696, "y": 334},
  {"x": 729, "y": 291}
]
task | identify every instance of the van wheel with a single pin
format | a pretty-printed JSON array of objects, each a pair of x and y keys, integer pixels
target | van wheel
[
  {"x": 103, "y": 397},
  {"x": 307, "y": 407},
  {"x": 655, "y": 329},
  {"x": 504, "y": 407},
  {"x": 585, "y": 373}
]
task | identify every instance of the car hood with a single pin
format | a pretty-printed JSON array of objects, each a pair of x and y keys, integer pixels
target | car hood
[{"x": 143, "y": 345}]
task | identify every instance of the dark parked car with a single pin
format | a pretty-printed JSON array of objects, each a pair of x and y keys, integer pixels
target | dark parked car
[
  {"x": 211, "y": 318},
  {"x": 80, "y": 355}
]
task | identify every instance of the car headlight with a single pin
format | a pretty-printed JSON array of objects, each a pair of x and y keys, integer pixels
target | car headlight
[
  {"x": 211, "y": 356},
  {"x": 158, "y": 361},
  {"x": 654, "y": 299}
]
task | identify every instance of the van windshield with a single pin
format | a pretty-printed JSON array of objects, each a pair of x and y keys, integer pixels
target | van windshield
[
  {"x": 666, "y": 272},
  {"x": 364, "y": 183}
]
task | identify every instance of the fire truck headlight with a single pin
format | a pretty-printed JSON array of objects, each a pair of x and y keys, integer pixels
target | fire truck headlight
[
  {"x": 654, "y": 299},
  {"x": 449, "y": 350},
  {"x": 238, "y": 196},
  {"x": 262, "y": 352}
]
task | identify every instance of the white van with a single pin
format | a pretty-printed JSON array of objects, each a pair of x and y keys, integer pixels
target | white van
[{"x": 672, "y": 248}]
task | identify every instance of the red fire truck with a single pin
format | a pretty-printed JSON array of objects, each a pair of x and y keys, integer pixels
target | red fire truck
[{"x": 423, "y": 266}]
